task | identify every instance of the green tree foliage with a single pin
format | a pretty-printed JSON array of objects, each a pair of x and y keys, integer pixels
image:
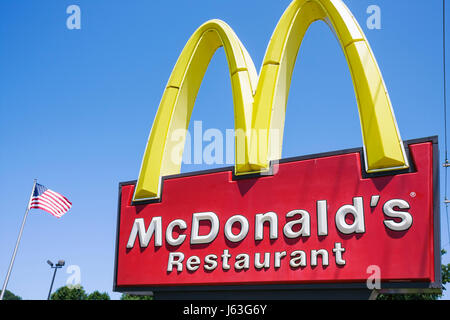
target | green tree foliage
[
  {"x": 96, "y": 295},
  {"x": 66, "y": 293},
  {"x": 78, "y": 293},
  {"x": 421, "y": 296},
  {"x": 10, "y": 296},
  {"x": 126, "y": 296}
]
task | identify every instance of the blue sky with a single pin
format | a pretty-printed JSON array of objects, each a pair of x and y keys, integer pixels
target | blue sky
[{"x": 76, "y": 108}]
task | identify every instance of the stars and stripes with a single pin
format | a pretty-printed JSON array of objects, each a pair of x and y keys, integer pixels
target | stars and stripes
[{"x": 50, "y": 201}]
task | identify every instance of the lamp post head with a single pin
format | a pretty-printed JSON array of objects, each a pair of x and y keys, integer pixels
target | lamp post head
[
  {"x": 60, "y": 263},
  {"x": 50, "y": 263}
]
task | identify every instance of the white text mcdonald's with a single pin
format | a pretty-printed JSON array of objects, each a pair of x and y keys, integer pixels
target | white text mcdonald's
[{"x": 311, "y": 220}]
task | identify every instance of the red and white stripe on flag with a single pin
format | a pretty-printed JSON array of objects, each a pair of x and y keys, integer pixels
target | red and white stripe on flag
[{"x": 48, "y": 200}]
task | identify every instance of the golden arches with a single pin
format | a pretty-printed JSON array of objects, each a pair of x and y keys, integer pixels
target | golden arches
[
  {"x": 178, "y": 101},
  {"x": 260, "y": 106},
  {"x": 383, "y": 146}
]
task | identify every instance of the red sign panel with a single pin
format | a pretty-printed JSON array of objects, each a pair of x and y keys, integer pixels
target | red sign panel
[{"x": 316, "y": 220}]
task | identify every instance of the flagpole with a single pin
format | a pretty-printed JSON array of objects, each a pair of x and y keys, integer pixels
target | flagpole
[{"x": 17, "y": 243}]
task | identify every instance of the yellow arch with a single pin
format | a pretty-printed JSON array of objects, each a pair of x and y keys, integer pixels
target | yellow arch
[
  {"x": 382, "y": 143},
  {"x": 260, "y": 106},
  {"x": 178, "y": 100}
]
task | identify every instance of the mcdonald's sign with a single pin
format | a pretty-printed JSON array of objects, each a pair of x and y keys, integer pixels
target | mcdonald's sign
[{"x": 317, "y": 220}]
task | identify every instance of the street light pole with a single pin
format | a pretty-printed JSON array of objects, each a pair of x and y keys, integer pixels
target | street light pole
[
  {"x": 51, "y": 285},
  {"x": 60, "y": 264}
]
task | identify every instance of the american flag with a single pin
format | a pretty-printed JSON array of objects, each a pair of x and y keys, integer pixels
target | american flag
[{"x": 50, "y": 201}]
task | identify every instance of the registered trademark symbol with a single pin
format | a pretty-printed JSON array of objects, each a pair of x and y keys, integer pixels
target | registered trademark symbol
[{"x": 412, "y": 194}]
